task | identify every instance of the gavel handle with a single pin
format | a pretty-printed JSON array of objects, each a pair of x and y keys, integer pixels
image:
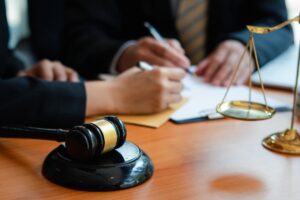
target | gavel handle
[{"x": 33, "y": 133}]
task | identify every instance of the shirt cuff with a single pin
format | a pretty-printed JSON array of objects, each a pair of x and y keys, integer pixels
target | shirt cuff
[{"x": 113, "y": 65}]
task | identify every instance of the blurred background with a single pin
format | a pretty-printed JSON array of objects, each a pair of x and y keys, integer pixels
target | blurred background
[{"x": 19, "y": 23}]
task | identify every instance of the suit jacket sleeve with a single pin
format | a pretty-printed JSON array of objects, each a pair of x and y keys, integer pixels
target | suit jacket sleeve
[
  {"x": 265, "y": 13},
  {"x": 46, "y": 23},
  {"x": 10, "y": 64},
  {"x": 33, "y": 102},
  {"x": 95, "y": 29}
]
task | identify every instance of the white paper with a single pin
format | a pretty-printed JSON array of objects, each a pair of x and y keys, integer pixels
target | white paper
[
  {"x": 280, "y": 72},
  {"x": 203, "y": 98}
]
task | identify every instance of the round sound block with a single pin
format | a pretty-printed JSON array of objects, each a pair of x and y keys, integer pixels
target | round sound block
[{"x": 125, "y": 167}]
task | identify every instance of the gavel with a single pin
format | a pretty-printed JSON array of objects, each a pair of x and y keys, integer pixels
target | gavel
[{"x": 85, "y": 142}]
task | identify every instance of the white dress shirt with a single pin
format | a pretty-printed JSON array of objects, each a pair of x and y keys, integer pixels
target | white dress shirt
[{"x": 17, "y": 18}]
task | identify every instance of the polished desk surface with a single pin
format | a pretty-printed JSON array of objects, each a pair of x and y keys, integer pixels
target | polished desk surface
[{"x": 220, "y": 159}]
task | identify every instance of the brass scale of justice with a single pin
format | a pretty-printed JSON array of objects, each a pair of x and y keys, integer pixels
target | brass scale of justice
[{"x": 287, "y": 141}]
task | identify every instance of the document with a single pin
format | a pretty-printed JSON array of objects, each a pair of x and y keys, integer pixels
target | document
[
  {"x": 203, "y": 99},
  {"x": 199, "y": 104},
  {"x": 280, "y": 72},
  {"x": 152, "y": 120}
]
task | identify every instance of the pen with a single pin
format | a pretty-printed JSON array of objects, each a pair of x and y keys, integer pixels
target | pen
[
  {"x": 144, "y": 66},
  {"x": 159, "y": 38},
  {"x": 147, "y": 67},
  {"x": 154, "y": 32}
]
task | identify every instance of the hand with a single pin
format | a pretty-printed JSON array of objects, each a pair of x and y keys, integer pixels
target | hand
[
  {"x": 169, "y": 54},
  {"x": 50, "y": 71},
  {"x": 220, "y": 65},
  {"x": 135, "y": 92},
  {"x": 138, "y": 92}
]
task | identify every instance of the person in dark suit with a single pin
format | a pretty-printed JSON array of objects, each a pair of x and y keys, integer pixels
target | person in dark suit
[
  {"x": 42, "y": 40},
  {"x": 33, "y": 101},
  {"x": 109, "y": 35},
  {"x": 46, "y": 21}
]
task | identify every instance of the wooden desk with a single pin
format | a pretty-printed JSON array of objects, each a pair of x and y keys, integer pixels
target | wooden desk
[{"x": 220, "y": 159}]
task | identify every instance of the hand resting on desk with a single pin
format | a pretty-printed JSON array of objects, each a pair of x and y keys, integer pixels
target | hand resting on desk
[
  {"x": 50, "y": 71},
  {"x": 220, "y": 65}
]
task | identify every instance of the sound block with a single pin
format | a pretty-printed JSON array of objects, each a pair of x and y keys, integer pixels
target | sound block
[{"x": 122, "y": 168}]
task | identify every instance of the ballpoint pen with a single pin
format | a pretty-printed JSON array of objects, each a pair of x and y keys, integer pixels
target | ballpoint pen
[
  {"x": 161, "y": 39},
  {"x": 154, "y": 32},
  {"x": 144, "y": 66}
]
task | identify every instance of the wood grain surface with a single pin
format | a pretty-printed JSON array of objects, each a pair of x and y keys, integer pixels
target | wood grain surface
[{"x": 220, "y": 159}]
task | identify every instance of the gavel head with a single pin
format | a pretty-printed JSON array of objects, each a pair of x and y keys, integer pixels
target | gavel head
[{"x": 89, "y": 141}]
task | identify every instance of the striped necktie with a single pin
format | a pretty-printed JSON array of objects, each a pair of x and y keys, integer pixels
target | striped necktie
[{"x": 191, "y": 25}]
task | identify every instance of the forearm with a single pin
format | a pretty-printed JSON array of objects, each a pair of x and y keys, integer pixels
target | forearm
[{"x": 33, "y": 102}]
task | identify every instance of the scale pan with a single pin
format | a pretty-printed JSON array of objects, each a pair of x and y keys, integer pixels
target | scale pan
[{"x": 245, "y": 110}]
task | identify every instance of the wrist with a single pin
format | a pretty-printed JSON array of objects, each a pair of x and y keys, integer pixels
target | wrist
[
  {"x": 121, "y": 64},
  {"x": 126, "y": 59},
  {"x": 99, "y": 98},
  {"x": 117, "y": 58}
]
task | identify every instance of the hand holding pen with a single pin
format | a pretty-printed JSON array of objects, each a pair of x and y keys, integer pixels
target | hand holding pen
[
  {"x": 168, "y": 43},
  {"x": 162, "y": 52}
]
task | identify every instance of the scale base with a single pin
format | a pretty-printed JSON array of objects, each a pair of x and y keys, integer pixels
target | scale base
[
  {"x": 286, "y": 142},
  {"x": 125, "y": 167}
]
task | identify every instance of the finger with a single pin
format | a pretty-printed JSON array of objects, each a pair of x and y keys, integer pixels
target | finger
[
  {"x": 176, "y": 45},
  {"x": 174, "y": 87},
  {"x": 177, "y": 59},
  {"x": 246, "y": 69},
  {"x": 154, "y": 59},
  {"x": 72, "y": 76},
  {"x": 59, "y": 72},
  {"x": 243, "y": 75},
  {"x": 174, "y": 98},
  {"x": 216, "y": 59},
  {"x": 202, "y": 66},
  {"x": 243, "y": 78},
  {"x": 21, "y": 73},
  {"x": 45, "y": 71},
  {"x": 130, "y": 72},
  {"x": 226, "y": 70},
  {"x": 173, "y": 74}
]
